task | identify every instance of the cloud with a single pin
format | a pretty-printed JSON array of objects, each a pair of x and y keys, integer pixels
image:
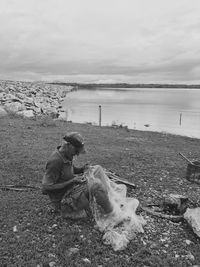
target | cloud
[{"x": 132, "y": 40}]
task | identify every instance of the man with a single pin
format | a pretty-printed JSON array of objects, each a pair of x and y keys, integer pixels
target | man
[{"x": 60, "y": 180}]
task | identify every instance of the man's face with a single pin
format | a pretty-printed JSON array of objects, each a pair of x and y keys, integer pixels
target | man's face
[{"x": 79, "y": 151}]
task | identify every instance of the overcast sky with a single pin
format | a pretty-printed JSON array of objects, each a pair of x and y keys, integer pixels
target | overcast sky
[{"x": 137, "y": 41}]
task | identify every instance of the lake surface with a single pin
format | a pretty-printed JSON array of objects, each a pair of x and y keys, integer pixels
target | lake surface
[{"x": 142, "y": 109}]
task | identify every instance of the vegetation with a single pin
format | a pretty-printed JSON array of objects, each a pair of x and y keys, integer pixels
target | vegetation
[
  {"x": 127, "y": 85},
  {"x": 32, "y": 236}
]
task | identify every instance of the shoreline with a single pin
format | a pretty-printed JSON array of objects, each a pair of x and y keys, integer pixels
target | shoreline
[{"x": 30, "y": 99}]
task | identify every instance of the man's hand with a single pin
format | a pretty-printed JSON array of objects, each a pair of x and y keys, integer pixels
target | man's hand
[
  {"x": 86, "y": 167},
  {"x": 79, "y": 180}
]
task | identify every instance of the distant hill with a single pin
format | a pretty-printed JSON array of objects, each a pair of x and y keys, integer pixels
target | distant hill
[{"x": 127, "y": 85}]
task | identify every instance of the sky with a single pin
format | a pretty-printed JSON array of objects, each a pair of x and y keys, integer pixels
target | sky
[{"x": 131, "y": 41}]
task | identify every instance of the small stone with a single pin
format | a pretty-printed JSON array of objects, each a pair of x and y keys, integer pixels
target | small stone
[
  {"x": 15, "y": 229},
  {"x": 86, "y": 260},
  {"x": 188, "y": 242},
  {"x": 54, "y": 225},
  {"x": 190, "y": 257},
  {"x": 73, "y": 251},
  {"x": 51, "y": 255},
  {"x": 153, "y": 245},
  {"x": 52, "y": 264}
]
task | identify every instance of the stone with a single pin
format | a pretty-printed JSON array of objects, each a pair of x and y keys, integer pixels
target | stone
[
  {"x": 62, "y": 116},
  {"x": 15, "y": 229},
  {"x": 14, "y": 107},
  {"x": 2, "y": 112},
  {"x": 73, "y": 251},
  {"x": 192, "y": 216},
  {"x": 26, "y": 113},
  {"x": 87, "y": 261},
  {"x": 189, "y": 256},
  {"x": 52, "y": 264},
  {"x": 175, "y": 203},
  {"x": 188, "y": 242}
]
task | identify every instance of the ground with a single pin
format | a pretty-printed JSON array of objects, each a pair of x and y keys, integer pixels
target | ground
[{"x": 32, "y": 236}]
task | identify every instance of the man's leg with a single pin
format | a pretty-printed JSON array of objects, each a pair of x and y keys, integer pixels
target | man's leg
[
  {"x": 78, "y": 202},
  {"x": 101, "y": 196},
  {"x": 55, "y": 198}
]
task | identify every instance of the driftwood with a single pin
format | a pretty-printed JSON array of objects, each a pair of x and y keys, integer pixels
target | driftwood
[
  {"x": 115, "y": 178},
  {"x": 19, "y": 187},
  {"x": 174, "y": 218},
  {"x": 189, "y": 161}
]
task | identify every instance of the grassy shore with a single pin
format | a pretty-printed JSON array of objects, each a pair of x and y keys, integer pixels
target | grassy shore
[{"x": 31, "y": 236}]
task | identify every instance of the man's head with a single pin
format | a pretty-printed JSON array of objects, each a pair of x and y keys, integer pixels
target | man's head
[{"x": 76, "y": 141}]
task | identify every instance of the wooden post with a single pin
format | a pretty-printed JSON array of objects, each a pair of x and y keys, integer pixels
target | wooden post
[
  {"x": 180, "y": 119},
  {"x": 100, "y": 115}
]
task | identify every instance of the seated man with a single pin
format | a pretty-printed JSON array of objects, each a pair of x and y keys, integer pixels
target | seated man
[{"x": 60, "y": 179}]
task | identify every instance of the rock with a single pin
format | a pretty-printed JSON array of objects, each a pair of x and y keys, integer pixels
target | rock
[
  {"x": 52, "y": 264},
  {"x": 175, "y": 203},
  {"x": 188, "y": 242},
  {"x": 37, "y": 96},
  {"x": 73, "y": 251},
  {"x": 192, "y": 216},
  {"x": 87, "y": 261},
  {"x": 26, "y": 113},
  {"x": 62, "y": 116},
  {"x": 15, "y": 229},
  {"x": 14, "y": 107},
  {"x": 189, "y": 256},
  {"x": 2, "y": 112}
]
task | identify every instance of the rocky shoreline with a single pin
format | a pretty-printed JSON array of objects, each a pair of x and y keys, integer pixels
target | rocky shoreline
[{"x": 30, "y": 99}]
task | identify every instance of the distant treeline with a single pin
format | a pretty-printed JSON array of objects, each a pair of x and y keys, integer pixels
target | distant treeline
[{"x": 127, "y": 85}]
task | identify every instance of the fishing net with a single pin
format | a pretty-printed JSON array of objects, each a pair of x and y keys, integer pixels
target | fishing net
[{"x": 113, "y": 212}]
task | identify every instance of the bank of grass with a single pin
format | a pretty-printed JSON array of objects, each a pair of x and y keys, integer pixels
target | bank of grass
[{"x": 150, "y": 160}]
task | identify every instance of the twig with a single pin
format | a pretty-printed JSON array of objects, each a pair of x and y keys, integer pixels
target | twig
[
  {"x": 116, "y": 179},
  {"x": 19, "y": 187},
  {"x": 174, "y": 218},
  {"x": 189, "y": 161}
]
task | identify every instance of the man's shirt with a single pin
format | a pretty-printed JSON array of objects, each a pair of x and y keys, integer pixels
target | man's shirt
[{"x": 59, "y": 169}]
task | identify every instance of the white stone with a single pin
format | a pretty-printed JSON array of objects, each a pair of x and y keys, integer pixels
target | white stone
[
  {"x": 192, "y": 216},
  {"x": 86, "y": 260},
  {"x": 26, "y": 113},
  {"x": 188, "y": 242},
  {"x": 52, "y": 264},
  {"x": 2, "y": 112},
  {"x": 28, "y": 100},
  {"x": 62, "y": 116},
  {"x": 14, "y": 106}
]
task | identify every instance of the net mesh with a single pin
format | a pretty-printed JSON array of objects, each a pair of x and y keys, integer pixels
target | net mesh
[{"x": 114, "y": 212}]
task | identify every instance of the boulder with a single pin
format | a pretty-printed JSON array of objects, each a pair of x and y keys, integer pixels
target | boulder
[
  {"x": 14, "y": 106},
  {"x": 26, "y": 113},
  {"x": 2, "y": 112},
  {"x": 192, "y": 216},
  {"x": 175, "y": 203},
  {"x": 62, "y": 116}
]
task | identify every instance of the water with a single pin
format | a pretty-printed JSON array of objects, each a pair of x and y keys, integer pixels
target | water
[{"x": 142, "y": 109}]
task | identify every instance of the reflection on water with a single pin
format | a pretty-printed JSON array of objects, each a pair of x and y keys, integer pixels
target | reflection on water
[{"x": 159, "y": 109}]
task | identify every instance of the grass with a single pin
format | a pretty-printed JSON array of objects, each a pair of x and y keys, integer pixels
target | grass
[{"x": 150, "y": 160}]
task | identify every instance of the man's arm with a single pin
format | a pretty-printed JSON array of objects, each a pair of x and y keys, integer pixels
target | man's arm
[
  {"x": 81, "y": 170},
  {"x": 52, "y": 187},
  {"x": 52, "y": 175}
]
